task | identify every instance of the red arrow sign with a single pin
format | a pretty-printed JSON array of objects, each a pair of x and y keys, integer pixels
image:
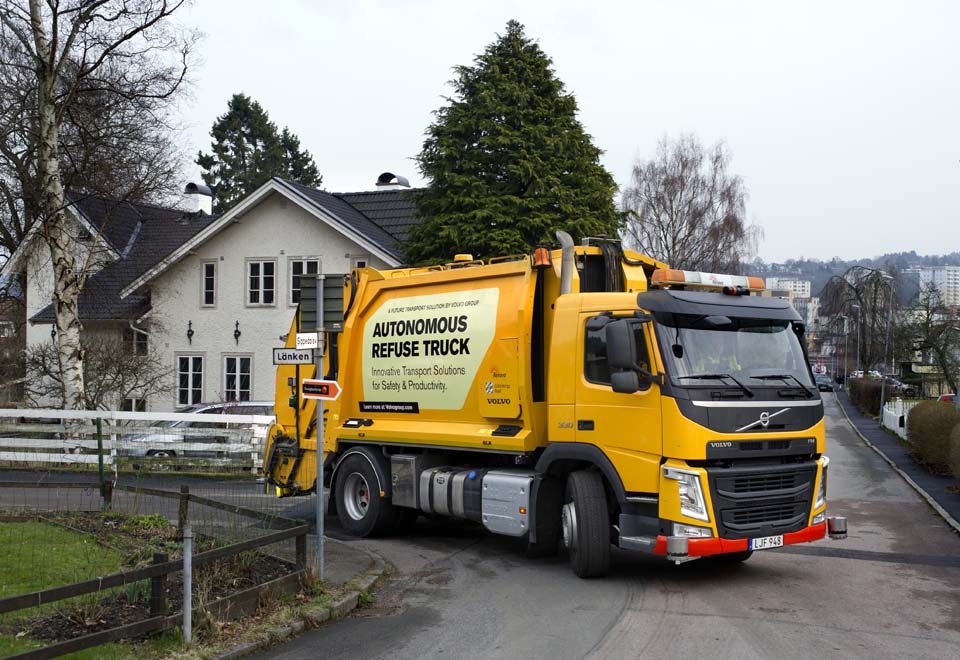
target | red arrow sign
[{"x": 328, "y": 390}]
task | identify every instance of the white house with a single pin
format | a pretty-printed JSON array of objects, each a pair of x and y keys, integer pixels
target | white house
[{"x": 210, "y": 295}]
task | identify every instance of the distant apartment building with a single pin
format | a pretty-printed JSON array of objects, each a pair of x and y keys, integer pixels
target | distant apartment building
[
  {"x": 808, "y": 308},
  {"x": 945, "y": 278},
  {"x": 797, "y": 287}
]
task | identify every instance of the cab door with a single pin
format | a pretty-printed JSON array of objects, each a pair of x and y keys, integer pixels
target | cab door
[{"x": 626, "y": 427}]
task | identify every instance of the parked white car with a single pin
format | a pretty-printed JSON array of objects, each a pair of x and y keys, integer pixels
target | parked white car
[{"x": 163, "y": 444}]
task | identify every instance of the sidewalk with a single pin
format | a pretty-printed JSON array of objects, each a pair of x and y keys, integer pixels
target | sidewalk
[{"x": 933, "y": 487}]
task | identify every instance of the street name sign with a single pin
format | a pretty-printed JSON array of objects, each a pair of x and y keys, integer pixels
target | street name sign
[
  {"x": 308, "y": 340},
  {"x": 326, "y": 390},
  {"x": 293, "y": 356}
]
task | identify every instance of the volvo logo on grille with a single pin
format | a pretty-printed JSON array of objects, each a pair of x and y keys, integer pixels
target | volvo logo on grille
[{"x": 763, "y": 422}]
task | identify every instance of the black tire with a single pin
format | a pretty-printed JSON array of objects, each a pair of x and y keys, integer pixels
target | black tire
[
  {"x": 586, "y": 524},
  {"x": 733, "y": 557},
  {"x": 549, "y": 505},
  {"x": 361, "y": 510}
]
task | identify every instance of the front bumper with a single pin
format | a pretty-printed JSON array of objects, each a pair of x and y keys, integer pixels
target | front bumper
[{"x": 704, "y": 547}]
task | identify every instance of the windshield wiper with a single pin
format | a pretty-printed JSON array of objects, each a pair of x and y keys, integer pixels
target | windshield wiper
[
  {"x": 743, "y": 387},
  {"x": 806, "y": 391}
]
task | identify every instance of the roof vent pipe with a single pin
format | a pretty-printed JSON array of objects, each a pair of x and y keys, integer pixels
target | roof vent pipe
[
  {"x": 199, "y": 198},
  {"x": 391, "y": 181},
  {"x": 566, "y": 262}
]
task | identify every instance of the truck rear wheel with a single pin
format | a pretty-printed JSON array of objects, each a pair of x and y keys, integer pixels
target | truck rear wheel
[
  {"x": 586, "y": 524},
  {"x": 361, "y": 510}
]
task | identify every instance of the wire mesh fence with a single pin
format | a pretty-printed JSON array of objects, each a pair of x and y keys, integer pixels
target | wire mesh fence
[{"x": 79, "y": 500}]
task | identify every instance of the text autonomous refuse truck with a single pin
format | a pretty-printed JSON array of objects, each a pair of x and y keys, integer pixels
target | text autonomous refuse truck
[{"x": 578, "y": 398}]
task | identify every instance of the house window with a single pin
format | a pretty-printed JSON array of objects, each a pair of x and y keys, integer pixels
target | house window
[
  {"x": 360, "y": 262},
  {"x": 261, "y": 280},
  {"x": 134, "y": 404},
  {"x": 189, "y": 379},
  {"x": 7, "y": 330},
  {"x": 236, "y": 378},
  {"x": 300, "y": 267},
  {"x": 134, "y": 342},
  {"x": 209, "y": 298}
]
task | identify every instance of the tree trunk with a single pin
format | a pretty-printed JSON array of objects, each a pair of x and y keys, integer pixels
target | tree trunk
[{"x": 66, "y": 291}]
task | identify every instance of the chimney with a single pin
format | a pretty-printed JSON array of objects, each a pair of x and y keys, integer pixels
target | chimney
[
  {"x": 391, "y": 181},
  {"x": 199, "y": 198}
]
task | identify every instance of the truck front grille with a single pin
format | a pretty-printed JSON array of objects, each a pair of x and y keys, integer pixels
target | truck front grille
[{"x": 761, "y": 500}]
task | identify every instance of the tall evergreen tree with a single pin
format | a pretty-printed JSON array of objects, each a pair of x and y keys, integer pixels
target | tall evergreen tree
[
  {"x": 248, "y": 150},
  {"x": 508, "y": 161}
]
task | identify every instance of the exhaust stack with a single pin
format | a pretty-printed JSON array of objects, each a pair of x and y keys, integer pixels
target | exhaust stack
[{"x": 566, "y": 262}]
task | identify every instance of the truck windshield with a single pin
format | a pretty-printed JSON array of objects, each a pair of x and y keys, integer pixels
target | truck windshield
[{"x": 734, "y": 351}]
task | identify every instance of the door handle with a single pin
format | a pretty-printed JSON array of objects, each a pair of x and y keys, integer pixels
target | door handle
[{"x": 584, "y": 424}]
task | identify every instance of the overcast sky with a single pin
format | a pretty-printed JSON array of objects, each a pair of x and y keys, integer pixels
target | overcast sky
[{"x": 842, "y": 117}]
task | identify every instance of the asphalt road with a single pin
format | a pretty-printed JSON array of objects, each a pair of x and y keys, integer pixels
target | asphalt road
[{"x": 891, "y": 590}]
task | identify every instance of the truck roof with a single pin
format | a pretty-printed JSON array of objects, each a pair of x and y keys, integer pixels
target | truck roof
[{"x": 706, "y": 303}]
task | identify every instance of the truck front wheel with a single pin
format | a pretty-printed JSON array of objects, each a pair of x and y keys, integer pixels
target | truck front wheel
[
  {"x": 586, "y": 524},
  {"x": 361, "y": 510}
]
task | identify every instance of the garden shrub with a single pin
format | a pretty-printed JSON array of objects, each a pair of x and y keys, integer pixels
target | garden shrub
[
  {"x": 955, "y": 451},
  {"x": 865, "y": 395},
  {"x": 929, "y": 428}
]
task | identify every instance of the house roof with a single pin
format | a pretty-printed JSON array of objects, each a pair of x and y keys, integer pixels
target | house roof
[
  {"x": 149, "y": 241},
  {"x": 342, "y": 210},
  {"x": 334, "y": 210},
  {"x": 394, "y": 210}
]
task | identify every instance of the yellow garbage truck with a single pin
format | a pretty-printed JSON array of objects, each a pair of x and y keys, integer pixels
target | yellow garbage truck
[{"x": 580, "y": 398}]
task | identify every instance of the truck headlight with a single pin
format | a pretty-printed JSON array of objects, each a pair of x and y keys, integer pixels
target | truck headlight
[
  {"x": 691, "y": 494},
  {"x": 822, "y": 488}
]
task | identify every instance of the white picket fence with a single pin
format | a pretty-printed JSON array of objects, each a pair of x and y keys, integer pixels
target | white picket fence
[
  {"x": 29, "y": 437},
  {"x": 895, "y": 415}
]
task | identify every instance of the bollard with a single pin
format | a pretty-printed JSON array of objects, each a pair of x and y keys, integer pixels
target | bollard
[{"x": 187, "y": 584}]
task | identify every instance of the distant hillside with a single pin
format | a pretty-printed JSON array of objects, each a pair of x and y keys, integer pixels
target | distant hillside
[{"x": 818, "y": 272}]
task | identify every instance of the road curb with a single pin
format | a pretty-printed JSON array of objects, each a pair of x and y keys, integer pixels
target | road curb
[
  {"x": 338, "y": 609},
  {"x": 943, "y": 513}
]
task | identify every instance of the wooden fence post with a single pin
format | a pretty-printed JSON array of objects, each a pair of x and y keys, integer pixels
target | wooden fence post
[
  {"x": 107, "y": 495},
  {"x": 301, "y": 551},
  {"x": 182, "y": 512},
  {"x": 158, "y": 588}
]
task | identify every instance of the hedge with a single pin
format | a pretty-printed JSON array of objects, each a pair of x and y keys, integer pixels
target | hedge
[
  {"x": 955, "y": 451},
  {"x": 929, "y": 428},
  {"x": 865, "y": 395}
]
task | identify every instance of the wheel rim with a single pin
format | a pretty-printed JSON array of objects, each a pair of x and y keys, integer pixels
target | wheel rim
[
  {"x": 356, "y": 496},
  {"x": 569, "y": 523}
]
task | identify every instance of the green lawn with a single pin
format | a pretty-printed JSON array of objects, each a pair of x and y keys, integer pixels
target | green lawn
[
  {"x": 38, "y": 555},
  {"x": 10, "y": 645}
]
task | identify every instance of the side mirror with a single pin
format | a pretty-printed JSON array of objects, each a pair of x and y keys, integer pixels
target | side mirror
[
  {"x": 625, "y": 382},
  {"x": 621, "y": 345}
]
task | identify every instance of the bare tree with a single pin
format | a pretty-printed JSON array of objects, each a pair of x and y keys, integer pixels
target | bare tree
[
  {"x": 82, "y": 75},
  {"x": 684, "y": 207},
  {"x": 867, "y": 296},
  {"x": 114, "y": 370},
  {"x": 933, "y": 331}
]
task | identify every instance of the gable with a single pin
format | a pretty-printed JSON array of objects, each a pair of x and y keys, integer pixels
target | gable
[{"x": 325, "y": 208}]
